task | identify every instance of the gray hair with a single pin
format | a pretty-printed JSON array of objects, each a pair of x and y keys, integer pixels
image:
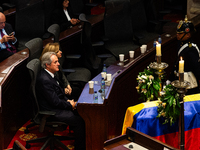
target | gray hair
[{"x": 46, "y": 59}]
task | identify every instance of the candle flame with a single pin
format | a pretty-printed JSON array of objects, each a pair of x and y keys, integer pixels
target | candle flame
[{"x": 181, "y": 58}]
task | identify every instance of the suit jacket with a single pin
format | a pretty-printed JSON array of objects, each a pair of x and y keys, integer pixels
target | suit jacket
[
  {"x": 50, "y": 94},
  {"x": 8, "y": 28},
  {"x": 59, "y": 17}
]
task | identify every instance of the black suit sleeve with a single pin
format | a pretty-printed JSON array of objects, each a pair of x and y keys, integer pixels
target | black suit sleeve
[
  {"x": 54, "y": 97},
  {"x": 8, "y": 28}
]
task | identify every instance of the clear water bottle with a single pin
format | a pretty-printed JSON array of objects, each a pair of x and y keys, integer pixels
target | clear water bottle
[
  {"x": 103, "y": 86},
  {"x": 104, "y": 68},
  {"x": 159, "y": 39},
  {"x": 154, "y": 43},
  {"x": 95, "y": 97}
]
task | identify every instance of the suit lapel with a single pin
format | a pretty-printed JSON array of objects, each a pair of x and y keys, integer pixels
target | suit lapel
[
  {"x": 7, "y": 29},
  {"x": 53, "y": 81}
]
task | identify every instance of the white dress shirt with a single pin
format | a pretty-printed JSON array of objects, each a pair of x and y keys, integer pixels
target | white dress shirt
[{"x": 67, "y": 15}]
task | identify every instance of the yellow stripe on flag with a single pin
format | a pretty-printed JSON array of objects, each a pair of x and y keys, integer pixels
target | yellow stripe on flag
[{"x": 131, "y": 111}]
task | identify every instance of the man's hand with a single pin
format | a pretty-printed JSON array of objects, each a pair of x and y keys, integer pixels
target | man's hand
[
  {"x": 12, "y": 38},
  {"x": 7, "y": 38},
  {"x": 72, "y": 103},
  {"x": 68, "y": 90},
  {"x": 74, "y": 21}
]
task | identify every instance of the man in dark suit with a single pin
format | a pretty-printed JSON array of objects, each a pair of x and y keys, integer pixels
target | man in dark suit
[
  {"x": 7, "y": 39},
  {"x": 63, "y": 15},
  {"x": 51, "y": 96}
]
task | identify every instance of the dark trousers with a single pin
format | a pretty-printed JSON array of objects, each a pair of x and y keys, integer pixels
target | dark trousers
[
  {"x": 76, "y": 123},
  {"x": 4, "y": 53}
]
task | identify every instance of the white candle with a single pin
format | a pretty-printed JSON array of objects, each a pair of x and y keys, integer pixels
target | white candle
[
  {"x": 158, "y": 49},
  {"x": 181, "y": 66}
]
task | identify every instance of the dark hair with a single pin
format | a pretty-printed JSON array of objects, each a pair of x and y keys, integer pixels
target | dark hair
[{"x": 59, "y": 4}]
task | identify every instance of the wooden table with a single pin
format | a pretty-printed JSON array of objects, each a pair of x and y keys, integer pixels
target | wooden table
[
  {"x": 14, "y": 103},
  {"x": 137, "y": 137}
]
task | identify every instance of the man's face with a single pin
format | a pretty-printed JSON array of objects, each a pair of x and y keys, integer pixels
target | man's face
[
  {"x": 54, "y": 66},
  {"x": 2, "y": 21},
  {"x": 180, "y": 35}
]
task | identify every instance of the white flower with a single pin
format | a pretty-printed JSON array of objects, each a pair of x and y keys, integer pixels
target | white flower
[
  {"x": 144, "y": 77},
  {"x": 162, "y": 93}
]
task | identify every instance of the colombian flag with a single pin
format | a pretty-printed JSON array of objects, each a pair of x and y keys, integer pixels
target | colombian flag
[{"x": 142, "y": 117}]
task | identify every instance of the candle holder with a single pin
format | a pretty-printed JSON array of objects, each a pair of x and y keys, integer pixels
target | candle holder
[
  {"x": 159, "y": 66},
  {"x": 181, "y": 77},
  {"x": 181, "y": 86},
  {"x": 158, "y": 58}
]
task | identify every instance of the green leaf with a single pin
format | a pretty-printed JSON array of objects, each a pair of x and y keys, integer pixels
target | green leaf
[
  {"x": 143, "y": 86},
  {"x": 156, "y": 86},
  {"x": 171, "y": 100}
]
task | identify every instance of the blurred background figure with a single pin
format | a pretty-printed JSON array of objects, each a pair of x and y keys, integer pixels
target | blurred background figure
[
  {"x": 190, "y": 54},
  {"x": 63, "y": 15},
  {"x": 7, "y": 39}
]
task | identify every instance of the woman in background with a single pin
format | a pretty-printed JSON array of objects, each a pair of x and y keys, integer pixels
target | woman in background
[{"x": 63, "y": 15}]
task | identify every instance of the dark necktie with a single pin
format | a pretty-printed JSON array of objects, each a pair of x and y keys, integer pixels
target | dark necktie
[
  {"x": 56, "y": 78},
  {"x": 58, "y": 81},
  {"x": 6, "y": 44}
]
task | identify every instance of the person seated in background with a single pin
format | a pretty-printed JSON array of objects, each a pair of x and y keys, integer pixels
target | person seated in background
[
  {"x": 72, "y": 92},
  {"x": 51, "y": 97},
  {"x": 190, "y": 54},
  {"x": 7, "y": 39},
  {"x": 63, "y": 15}
]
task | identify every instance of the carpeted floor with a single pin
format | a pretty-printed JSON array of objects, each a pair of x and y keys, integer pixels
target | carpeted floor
[{"x": 34, "y": 133}]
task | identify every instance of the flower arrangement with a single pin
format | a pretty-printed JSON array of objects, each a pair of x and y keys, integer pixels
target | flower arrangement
[
  {"x": 169, "y": 105},
  {"x": 148, "y": 84}
]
